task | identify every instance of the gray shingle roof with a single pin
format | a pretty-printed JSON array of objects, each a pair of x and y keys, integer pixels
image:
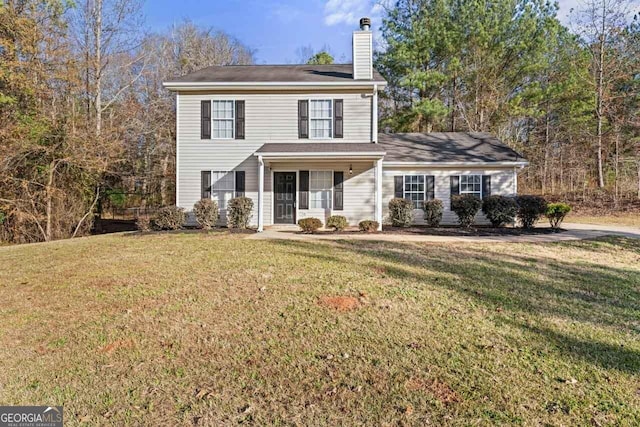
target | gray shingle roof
[
  {"x": 274, "y": 73},
  {"x": 321, "y": 147},
  {"x": 446, "y": 147}
]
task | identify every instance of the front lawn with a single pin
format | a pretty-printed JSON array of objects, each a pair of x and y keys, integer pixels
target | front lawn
[{"x": 183, "y": 329}]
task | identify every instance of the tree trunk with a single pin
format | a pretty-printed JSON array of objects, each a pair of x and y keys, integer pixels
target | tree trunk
[
  {"x": 48, "y": 231},
  {"x": 599, "y": 100},
  {"x": 163, "y": 183},
  {"x": 98, "y": 65}
]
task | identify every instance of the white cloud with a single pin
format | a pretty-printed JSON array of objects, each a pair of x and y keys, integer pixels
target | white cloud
[{"x": 349, "y": 12}]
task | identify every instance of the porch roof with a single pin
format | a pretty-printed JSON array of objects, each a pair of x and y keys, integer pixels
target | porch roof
[{"x": 305, "y": 150}]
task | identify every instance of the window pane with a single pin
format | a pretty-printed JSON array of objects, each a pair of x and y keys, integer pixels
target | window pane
[
  {"x": 320, "y": 183},
  {"x": 414, "y": 190},
  {"x": 223, "y": 180}
]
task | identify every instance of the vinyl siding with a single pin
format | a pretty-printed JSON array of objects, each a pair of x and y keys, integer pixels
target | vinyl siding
[
  {"x": 269, "y": 117},
  {"x": 362, "y": 55},
  {"x": 502, "y": 183}
]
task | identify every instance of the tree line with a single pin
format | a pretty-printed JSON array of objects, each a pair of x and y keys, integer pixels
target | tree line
[
  {"x": 83, "y": 112},
  {"x": 84, "y": 116},
  {"x": 567, "y": 97}
]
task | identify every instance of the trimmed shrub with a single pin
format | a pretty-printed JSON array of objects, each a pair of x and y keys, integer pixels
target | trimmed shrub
[
  {"x": 466, "y": 206},
  {"x": 169, "y": 218},
  {"x": 401, "y": 212},
  {"x": 309, "y": 225},
  {"x": 337, "y": 222},
  {"x": 206, "y": 213},
  {"x": 433, "y": 212},
  {"x": 143, "y": 223},
  {"x": 530, "y": 209},
  {"x": 368, "y": 226},
  {"x": 556, "y": 212},
  {"x": 500, "y": 210},
  {"x": 239, "y": 212}
]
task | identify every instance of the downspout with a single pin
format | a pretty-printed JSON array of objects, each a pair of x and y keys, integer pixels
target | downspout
[{"x": 374, "y": 115}]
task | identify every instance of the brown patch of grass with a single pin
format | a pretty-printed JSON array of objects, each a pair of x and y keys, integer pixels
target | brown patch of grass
[
  {"x": 118, "y": 345},
  {"x": 439, "y": 389},
  {"x": 340, "y": 303}
]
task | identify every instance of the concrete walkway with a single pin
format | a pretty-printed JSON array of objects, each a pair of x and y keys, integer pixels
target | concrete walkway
[{"x": 574, "y": 232}]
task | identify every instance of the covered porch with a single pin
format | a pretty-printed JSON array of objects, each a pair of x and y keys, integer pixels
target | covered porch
[{"x": 301, "y": 180}]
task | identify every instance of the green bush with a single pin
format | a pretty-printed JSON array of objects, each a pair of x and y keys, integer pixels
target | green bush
[
  {"x": 169, "y": 218},
  {"x": 368, "y": 226},
  {"x": 530, "y": 209},
  {"x": 401, "y": 212},
  {"x": 433, "y": 212},
  {"x": 239, "y": 212},
  {"x": 556, "y": 212},
  {"x": 337, "y": 222},
  {"x": 2, "y": 217},
  {"x": 309, "y": 225},
  {"x": 206, "y": 213},
  {"x": 500, "y": 210},
  {"x": 466, "y": 206}
]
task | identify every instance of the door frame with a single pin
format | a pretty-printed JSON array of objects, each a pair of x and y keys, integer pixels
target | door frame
[{"x": 295, "y": 196}]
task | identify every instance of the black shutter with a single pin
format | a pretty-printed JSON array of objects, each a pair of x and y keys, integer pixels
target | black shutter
[
  {"x": 239, "y": 183},
  {"x": 303, "y": 198},
  {"x": 430, "y": 182},
  {"x": 239, "y": 119},
  {"x": 399, "y": 186},
  {"x": 338, "y": 121},
  {"x": 455, "y": 186},
  {"x": 338, "y": 191},
  {"x": 486, "y": 186},
  {"x": 205, "y": 184},
  {"x": 303, "y": 119},
  {"x": 205, "y": 119}
]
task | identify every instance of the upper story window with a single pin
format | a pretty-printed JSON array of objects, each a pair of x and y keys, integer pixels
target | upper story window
[
  {"x": 223, "y": 116},
  {"x": 471, "y": 184},
  {"x": 321, "y": 118}
]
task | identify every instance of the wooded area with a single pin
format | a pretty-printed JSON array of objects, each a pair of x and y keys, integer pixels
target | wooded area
[{"x": 84, "y": 120}]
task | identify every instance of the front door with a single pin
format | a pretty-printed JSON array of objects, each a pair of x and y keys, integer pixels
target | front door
[{"x": 284, "y": 190}]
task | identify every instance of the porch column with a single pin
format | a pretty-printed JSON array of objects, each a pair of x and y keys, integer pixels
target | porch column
[
  {"x": 260, "y": 193},
  {"x": 378, "y": 168}
]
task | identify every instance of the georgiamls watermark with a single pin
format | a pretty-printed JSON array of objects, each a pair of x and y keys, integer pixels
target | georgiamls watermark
[{"x": 30, "y": 416}]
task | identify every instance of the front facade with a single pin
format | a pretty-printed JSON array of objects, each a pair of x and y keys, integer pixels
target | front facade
[{"x": 302, "y": 141}]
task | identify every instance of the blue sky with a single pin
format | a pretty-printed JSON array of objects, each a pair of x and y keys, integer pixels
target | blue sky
[{"x": 275, "y": 29}]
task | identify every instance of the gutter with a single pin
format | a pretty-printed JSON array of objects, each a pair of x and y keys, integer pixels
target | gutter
[
  {"x": 494, "y": 164},
  {"x": 271, "y": 85}
]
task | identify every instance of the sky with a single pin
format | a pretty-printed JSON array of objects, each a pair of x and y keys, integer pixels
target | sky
[{"x": 276, "y": 29}]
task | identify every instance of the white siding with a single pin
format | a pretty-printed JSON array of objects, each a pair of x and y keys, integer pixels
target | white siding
[
  {"x": 269, "y": 117},
  {"x": 362, "y": 55},
  {"x": 502, "y": 182}
]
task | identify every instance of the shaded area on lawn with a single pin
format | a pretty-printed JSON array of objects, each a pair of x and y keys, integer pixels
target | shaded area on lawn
[{"x": 582, "y": 291}]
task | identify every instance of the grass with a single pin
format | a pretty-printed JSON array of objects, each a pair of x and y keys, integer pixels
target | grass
[
  {"x": 622, "y": 218},
  {"x": 194, "y": 329}
]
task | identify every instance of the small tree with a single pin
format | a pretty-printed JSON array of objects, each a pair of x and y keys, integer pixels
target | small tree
[
  {"x": 433, "y": 212},
  {"x": 530, "y": 209},
  {"x": 206, "y": 213},
  {"x": 500, "y": 210},
  {"x": 401, "y": 212},
  {"x": 556, "y": 212},
  {"x": 466, "y": 206},
  {"x": 239, "y": 212}
]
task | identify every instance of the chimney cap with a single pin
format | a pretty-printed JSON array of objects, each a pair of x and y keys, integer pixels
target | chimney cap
[{"x": 365, "y": 24}]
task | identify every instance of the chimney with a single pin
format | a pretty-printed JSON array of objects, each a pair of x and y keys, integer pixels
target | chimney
[{"x": 363, "y": 51}]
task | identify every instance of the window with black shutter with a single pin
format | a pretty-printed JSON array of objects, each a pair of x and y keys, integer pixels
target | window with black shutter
[
  {"x": 303, "y": 119},
  {"x": 303, "y": 196},
  {"x": 338, "y": 120},
  {"x": 240, "y": 190},
  {"x": 486, "y": 186},
  {"x": 240, "y": 114}
]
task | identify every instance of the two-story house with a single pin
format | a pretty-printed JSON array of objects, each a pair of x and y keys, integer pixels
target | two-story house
[{"x": 302, "y": 141}]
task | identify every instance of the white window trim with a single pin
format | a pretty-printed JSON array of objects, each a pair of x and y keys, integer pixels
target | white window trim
[
  {"x": 212, "y": 191},
  {"x": 424, "y": 192},
  {"x": 469, "y": 192},
  {"x": 233, "y": 119},
  {"x": 330, "y": 189},
  {"x": 332, "y": 118}
]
